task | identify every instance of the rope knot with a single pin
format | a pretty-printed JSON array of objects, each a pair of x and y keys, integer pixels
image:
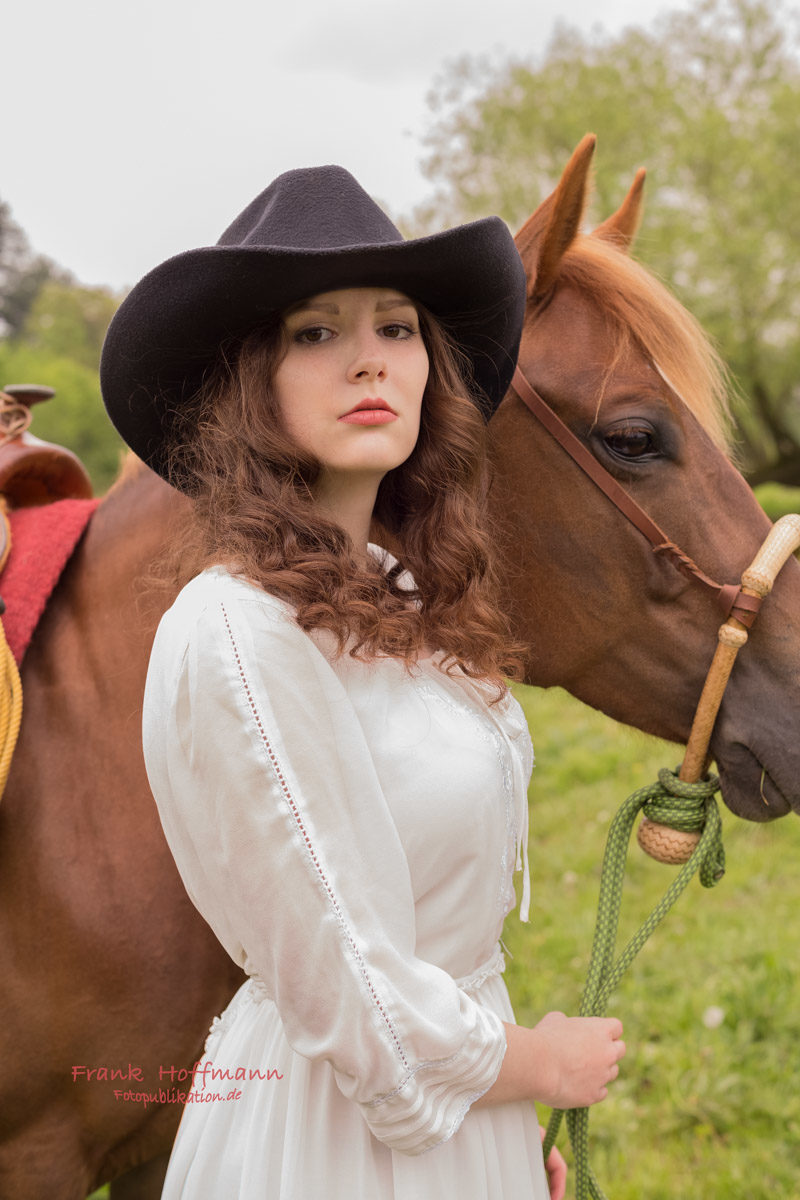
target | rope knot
[
  {"x": 680, "y": 805},
  {"x": 686, "y": 807}
]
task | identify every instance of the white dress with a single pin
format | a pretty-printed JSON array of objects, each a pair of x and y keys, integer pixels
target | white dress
[{"x": 349, "y": 831}]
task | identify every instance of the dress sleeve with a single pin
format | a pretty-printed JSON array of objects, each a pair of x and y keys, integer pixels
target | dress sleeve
[{"x": 277, "y": 822}]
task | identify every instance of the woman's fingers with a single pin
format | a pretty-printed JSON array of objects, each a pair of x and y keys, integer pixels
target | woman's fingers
[
  {"x": 556, "y": 1171},
  {"x": 582, "y": 1056}
]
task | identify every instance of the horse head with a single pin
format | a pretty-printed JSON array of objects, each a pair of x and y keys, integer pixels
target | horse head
[{"x": 632, "y": 375}]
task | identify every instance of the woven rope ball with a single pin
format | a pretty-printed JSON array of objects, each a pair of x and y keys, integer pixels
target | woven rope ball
[{"x": 664, "y": 844}]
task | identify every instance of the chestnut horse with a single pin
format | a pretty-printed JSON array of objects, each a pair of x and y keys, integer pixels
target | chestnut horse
[{"x": 107, "y": 966}]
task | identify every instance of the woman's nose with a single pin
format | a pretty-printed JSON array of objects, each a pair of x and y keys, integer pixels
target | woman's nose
[{"x": 368, "y": 362}]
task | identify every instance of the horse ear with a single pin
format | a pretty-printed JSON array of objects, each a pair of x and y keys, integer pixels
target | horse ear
[
  {"x": 622, "y": 226},
  {"x": 551, "y": 230}
]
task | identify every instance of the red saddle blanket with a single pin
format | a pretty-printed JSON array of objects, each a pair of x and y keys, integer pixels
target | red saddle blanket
[{"x": 42, "y": 542}]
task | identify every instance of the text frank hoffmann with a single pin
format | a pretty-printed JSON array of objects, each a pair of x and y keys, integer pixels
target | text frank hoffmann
[{"x": 202, "y": 1075}]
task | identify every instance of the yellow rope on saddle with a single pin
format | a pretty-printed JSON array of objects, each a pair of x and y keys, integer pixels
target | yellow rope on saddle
[{"x": 10, "y": 682}]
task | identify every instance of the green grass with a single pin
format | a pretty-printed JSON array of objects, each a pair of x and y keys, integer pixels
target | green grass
[
  {"x": 697, "y": 1111},
  {"x": 777, "y": 499}
]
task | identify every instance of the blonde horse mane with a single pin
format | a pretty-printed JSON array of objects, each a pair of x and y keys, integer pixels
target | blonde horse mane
[{"x": 639, "y": 308}]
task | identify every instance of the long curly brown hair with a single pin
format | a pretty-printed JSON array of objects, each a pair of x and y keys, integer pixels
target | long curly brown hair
[{"x": 252, "y": 488}]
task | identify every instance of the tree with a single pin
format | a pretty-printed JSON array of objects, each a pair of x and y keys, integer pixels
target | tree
[
  {"x": 68, "y": 320},
  {"x": 22, "y": 273},
  {"x": 708, "y": 101},
  {"x": 51, "y": 332}
]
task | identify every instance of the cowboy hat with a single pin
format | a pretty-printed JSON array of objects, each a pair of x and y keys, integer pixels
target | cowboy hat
[{"x": 311, "y": 230}]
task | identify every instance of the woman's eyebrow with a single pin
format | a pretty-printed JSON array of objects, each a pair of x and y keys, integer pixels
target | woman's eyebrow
[
  {"x": 313, "y": 306},
  {"x": 394, "y": 302},
  {"x": 328, "y": 306}
]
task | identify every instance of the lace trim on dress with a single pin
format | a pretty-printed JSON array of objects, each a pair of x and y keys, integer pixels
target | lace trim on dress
[
  {"x": 251, "y": 992},
  {"x": 495, "y": 966}
]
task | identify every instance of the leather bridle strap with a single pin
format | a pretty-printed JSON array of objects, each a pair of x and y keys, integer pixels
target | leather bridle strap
[{"x": 731, "y": 598}]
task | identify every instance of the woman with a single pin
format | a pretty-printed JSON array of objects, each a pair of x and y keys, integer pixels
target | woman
[{"x": 340, "y": 771}]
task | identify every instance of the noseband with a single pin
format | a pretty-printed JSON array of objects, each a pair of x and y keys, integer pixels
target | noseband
[{"x": 732, "y": 598}]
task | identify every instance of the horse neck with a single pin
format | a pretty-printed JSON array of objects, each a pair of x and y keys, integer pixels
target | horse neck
[{"x": 128, "y": 537}]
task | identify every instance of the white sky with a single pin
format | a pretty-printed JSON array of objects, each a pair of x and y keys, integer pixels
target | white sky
[{"x": 134, "y": 129}]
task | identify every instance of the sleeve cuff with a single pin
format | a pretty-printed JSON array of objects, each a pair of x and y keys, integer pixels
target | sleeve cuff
[{"x": 429, "y": 1105}]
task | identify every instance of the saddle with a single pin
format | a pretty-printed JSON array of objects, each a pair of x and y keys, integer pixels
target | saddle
[
  {"x": 33, "y": 472},
  {"x": 45, "y": 505}
]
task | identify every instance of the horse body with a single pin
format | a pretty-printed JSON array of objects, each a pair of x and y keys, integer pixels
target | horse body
[{"x": 106, "y": 962}]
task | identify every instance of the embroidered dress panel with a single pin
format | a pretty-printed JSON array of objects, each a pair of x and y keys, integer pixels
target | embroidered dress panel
[
  {"x": 505, "y": 892},
  {"x": 346, "y": 829}
]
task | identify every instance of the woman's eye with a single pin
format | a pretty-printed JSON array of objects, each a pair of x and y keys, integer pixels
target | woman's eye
[
  {"x": 631, "y": 443},
  {"x": 397, "y": 332},
  {"x": 313, "y": 335}
]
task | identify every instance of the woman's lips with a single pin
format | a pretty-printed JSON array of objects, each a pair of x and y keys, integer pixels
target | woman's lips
[
  {"x": 369, "y": 416},
  {"x": 370, "y": 412}
]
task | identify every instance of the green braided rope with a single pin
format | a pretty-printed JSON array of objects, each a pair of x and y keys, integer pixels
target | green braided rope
[{"x": 685, "y": 806}]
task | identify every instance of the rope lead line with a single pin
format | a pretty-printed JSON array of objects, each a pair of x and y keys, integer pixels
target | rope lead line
[
  {"x": 671, "y": 801},
  {"x": 10, "y": 707},
  {"x": 10, "y": 684}
]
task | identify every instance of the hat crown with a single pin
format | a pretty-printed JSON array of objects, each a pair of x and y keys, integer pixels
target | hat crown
[{"x": 315, "y": 208}]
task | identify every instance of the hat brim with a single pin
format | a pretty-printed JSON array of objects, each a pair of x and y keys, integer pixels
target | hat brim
[{"x": 168, "y": 330}]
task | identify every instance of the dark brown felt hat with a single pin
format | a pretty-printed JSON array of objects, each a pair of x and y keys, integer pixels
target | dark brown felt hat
[{"x": 311, "y": 230}]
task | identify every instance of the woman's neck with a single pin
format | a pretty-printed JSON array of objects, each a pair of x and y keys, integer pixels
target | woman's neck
[{"x": 350, "y": 503}]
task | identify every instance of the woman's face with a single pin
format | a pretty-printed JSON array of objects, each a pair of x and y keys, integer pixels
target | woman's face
[{"x": 350, "y": 386}]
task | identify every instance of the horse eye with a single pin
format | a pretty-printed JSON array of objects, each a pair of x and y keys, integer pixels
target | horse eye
[{"x": 631, "y": 443}]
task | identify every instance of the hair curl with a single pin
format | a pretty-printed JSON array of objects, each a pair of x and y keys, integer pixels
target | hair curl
[{"x": 252, "y": 488}]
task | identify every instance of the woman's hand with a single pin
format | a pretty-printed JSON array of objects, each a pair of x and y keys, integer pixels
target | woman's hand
[
  {"x": 566, "y": 1062},
  {"x": 556, "y": 1170},
  {"x": 578, "y": 1057}
]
